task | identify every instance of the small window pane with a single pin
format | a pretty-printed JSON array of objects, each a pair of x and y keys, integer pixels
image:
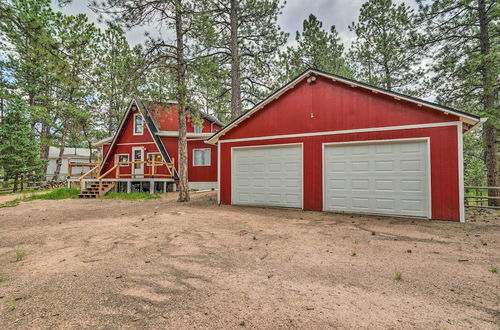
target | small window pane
[
  {"x": 123, "y": 158},
  {"x": 197, "y": 128},
  {"x": 138, "y": 126},
  {"x": 201, "y": 157},
  {"x": 155, "y": 157}
]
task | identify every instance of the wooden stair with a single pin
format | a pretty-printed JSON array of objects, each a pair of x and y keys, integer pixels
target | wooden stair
[{"x": 92, "y": 190}]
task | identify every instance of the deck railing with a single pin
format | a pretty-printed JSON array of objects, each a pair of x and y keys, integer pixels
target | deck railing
[
  {"x": 151, "y": 170},
  {"x": 482, "y": 197},
  {"x": 82, "y": 165}
]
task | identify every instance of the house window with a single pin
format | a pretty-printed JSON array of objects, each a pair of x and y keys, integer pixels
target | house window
[
  {"x": 156, "y": 156},
  {"x": 138, "y": 124},
  {"x": 121, "y": 158},
  {"x": 197, "y": 128},
  {"x": 201, "y": 157}
]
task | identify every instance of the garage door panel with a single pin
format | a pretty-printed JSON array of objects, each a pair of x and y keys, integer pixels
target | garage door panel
[
  {"x": 386, "y": 178},
  {"x": 277, "y": 172}
]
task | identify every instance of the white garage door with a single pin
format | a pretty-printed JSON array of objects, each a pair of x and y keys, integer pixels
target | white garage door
[
  {"x": 267, "y": 176},
  {"x": 385, "y": 178}
]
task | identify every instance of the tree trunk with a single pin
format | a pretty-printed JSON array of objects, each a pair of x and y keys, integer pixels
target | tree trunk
[
  {"x": 488, "y": 100},
  {"x": 44, "y": 147},
  {"x": 236, "y": 107},
  {"x": 62, "y": 145},
  {"x": 181, "y": 98},
  {"x": 15, "y": 183}
]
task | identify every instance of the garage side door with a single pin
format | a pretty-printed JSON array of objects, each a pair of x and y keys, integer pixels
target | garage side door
[
  {"x": 267, "y": 176},
  {"x": 384, "y": 178}
]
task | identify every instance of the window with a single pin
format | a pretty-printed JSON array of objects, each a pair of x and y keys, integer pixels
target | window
[
  {"x": 201, "y": 157},
  {"x": 138, "y": 125},
  {"x": 197, "y": 128},
  {"x": 121, "y": 158},
  {"x": 156, "y": 156}
]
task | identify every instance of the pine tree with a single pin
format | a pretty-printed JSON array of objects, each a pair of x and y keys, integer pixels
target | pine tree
[
  {"x": 463, "y": 38},
  {"x": 382, "y": 51},
  {"x": 316, "y": 48},
  {"x": 19, "y": 150},
  {"x": 245, "y": 39}
]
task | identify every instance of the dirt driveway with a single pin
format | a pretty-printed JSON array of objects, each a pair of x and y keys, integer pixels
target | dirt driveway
[{"x": 159, "y": 264}]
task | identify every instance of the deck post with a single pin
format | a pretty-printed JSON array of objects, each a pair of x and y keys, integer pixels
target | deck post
[
  {"x": 165, "y": 184},
  {"x": 152, "y": 187},
  {"x": 129, "y": 187},
  {"x": 69, "y": 168}
]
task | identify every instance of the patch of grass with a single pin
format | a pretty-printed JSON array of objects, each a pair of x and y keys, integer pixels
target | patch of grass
[
  {"x": 131, "y": 196},
  {"x": 11, "y": 203},
  {"x": 2, "y": 278},
  {"x": 448, "y": 235},
  {"x": 494, "y": 270},
  {"x": 353, "y": 253},
  {"x": 398, "y": 276},
  {"x": 58, "y": 193},
  {"x": 13, "y": 305},
  {"x": 20, "y": 253}
]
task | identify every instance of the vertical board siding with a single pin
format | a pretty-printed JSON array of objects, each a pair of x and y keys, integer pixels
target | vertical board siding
[
  {"x": 334, "y": 106},
  {"x": 443, "y": 154}
]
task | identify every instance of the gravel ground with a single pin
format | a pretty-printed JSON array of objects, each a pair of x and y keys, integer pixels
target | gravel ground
[{"x": 160, "y": 264}]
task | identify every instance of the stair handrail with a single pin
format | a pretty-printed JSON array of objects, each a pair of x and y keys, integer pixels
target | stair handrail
[
  {"x": 87, "y": 174},
  {"x": 103, "y": 175}
]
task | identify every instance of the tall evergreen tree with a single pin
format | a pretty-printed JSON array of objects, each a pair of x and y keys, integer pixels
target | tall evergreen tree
[
  {"x": 245, "y": 40},
  {"x": 316, "y": 48},
  {"x": 19, "y": 150},
  {"x": 463, "y": 38},
  {"x": 382, "y": 51}
]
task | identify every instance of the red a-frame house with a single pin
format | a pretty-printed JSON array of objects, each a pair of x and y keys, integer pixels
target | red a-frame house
[{"x": 142, "y": 156}]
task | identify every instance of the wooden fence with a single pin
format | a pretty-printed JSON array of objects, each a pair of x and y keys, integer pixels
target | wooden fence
[{"x": 479, "y": 197}]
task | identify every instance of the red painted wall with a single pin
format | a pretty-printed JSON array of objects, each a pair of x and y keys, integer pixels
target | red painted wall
[
  {"x": 196, "y": 173},
  {"x": 338, "y": 107},
  {"x": 444, "y": 166},
  {"x": 167, "y": 119},
  {"x": 334, "y": 106}
]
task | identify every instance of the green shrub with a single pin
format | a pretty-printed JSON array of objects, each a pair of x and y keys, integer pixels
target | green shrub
[
  {"x": 20, "y": 253},
  {"x": 494, "y": 270},
  {"x": 398, "y": 276}
]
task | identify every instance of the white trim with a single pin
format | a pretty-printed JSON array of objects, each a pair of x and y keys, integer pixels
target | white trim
[
  {"x": 349, "y": 131},
  {"x": 188, "y": 134},
  {"x": 134, "y": 143},
  {"x": 133, "y": 168},
  {"x": 308, "y": 73},
  {"x": 103, "y": 141},
  {"x": 419, "y": 139},
  {"x": 133, "y": 128},
  {"x": 209, "y": 159},
  {"x": 263, "y": 146},
  {"x": 122, "y": 165},
  {"x": 218, "y": 174},
  {"x": 461, "y": 193}
]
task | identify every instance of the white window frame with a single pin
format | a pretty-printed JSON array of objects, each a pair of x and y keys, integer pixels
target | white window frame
[
  {"x": 142, "y": 131},
  {"x": 209, "y": 156},
  {"x": 198, "y": 125},
  {"x": 117, "y": 158},
  {"x": 153, "y": 153}
]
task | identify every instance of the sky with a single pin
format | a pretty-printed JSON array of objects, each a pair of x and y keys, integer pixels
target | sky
[{"x": 340, "y": 13}]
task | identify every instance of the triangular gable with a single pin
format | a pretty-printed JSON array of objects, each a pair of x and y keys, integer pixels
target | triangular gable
[
  {"x": 152, "y": 129},
  {"x": 470, "y": 119}
]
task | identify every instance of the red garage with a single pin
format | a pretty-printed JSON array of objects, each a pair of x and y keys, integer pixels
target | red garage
[{"x": 323, "y": 142}]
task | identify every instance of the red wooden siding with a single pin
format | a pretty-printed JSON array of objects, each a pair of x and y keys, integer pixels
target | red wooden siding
[
  {"x": 330, "y": 106},
  {"x": 444, "y": 165},
  {"x": 167, "y": 119},
  {"x": 123, "y": 146},
  {"x": 327, "y": 106}
]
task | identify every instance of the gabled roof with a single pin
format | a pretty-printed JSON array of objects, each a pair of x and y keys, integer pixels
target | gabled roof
[
  {"x": 468, "y": 118},
  {"x": 151, "y": 128}
]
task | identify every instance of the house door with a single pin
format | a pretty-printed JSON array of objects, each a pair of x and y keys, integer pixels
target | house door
[{"x": 138, "y": 155}]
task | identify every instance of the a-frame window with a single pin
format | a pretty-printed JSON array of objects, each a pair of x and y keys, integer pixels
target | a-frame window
[{"x": 138, "y": 124}]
